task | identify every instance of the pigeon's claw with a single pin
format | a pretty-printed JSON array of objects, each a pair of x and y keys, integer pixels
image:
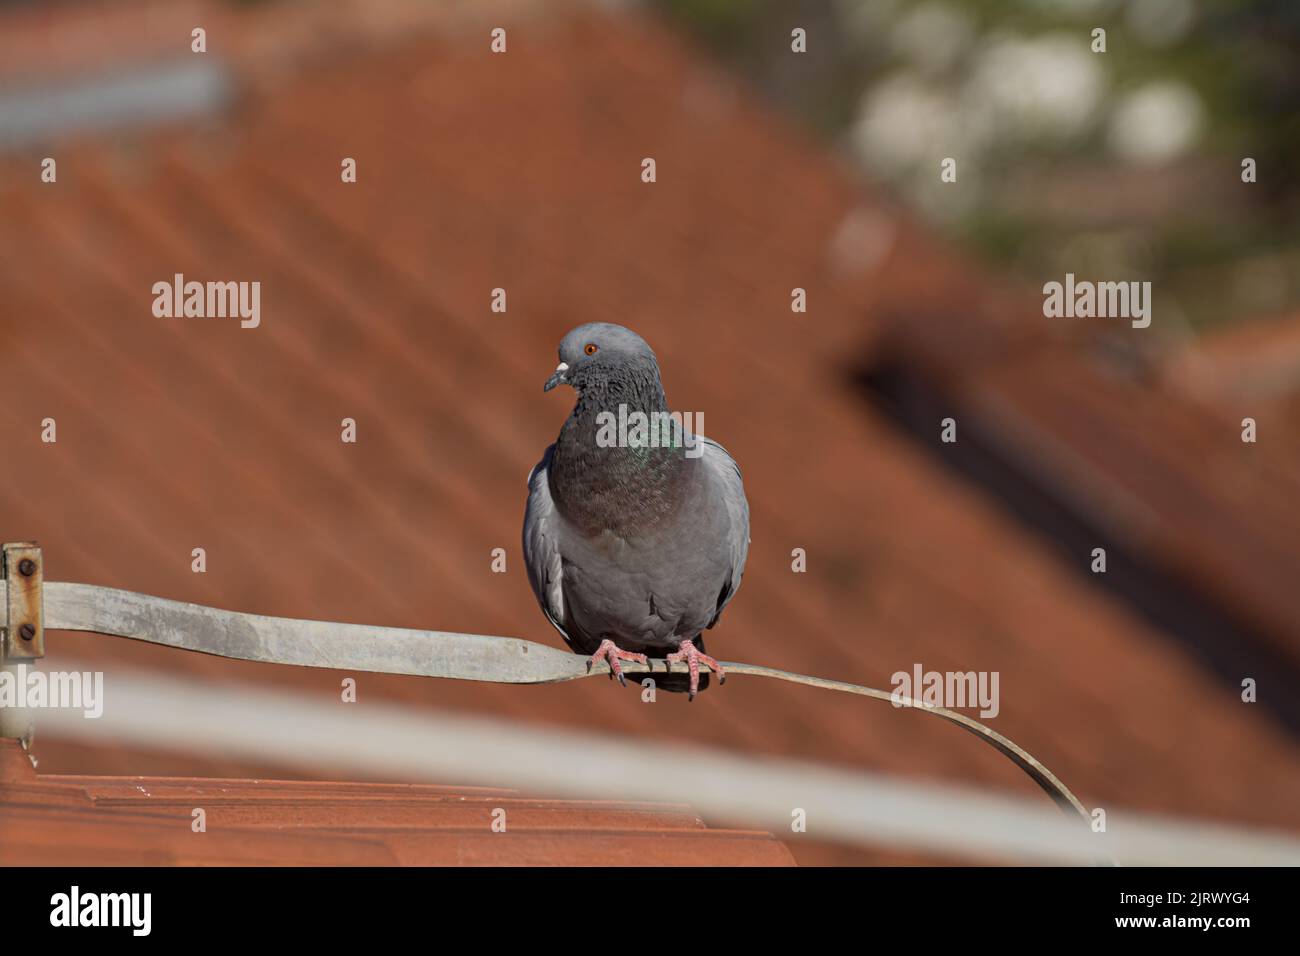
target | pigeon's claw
[
  {"x": 612, "y": 654},
  {"x": 686, "y": 652}
]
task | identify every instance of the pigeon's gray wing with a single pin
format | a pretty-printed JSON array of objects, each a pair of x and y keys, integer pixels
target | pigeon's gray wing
[
  {"x": 541, "y": 545},
  {"x": 724, "y": 469}
]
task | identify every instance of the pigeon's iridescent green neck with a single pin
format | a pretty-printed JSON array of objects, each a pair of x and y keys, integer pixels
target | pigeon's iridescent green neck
[{"x": 622, "y": 488}]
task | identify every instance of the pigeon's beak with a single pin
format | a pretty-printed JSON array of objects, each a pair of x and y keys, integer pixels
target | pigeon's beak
[{"x": 557, "y": 378}]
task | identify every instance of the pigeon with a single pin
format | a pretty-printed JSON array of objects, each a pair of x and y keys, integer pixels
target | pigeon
[{"x": 634, "y": 539}]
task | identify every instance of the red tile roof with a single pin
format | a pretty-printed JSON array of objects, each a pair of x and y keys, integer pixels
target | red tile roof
[
  {"x": 144, "y": 821},
  {"x": 1250, "y": 369},
  {"x": 522, "y": 171}
]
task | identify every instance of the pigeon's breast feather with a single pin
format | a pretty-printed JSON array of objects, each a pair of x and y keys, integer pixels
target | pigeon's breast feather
[{"x": 661, "y": 586}]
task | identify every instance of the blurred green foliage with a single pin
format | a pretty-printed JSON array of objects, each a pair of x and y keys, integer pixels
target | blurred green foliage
[{"x": 1151, "y": 180}]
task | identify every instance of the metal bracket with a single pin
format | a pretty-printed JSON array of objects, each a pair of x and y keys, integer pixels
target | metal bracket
[
  {"x": 357, "y": 647},
  {"x": 24, "y": 623}
]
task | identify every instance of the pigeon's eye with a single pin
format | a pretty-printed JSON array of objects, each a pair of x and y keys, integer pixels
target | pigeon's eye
[{"x": 590, "y": 348}]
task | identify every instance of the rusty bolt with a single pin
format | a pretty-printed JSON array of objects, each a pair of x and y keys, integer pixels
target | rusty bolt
[
  {"x": 27, "y": 567},
  {"x": 27, "y": 632}
]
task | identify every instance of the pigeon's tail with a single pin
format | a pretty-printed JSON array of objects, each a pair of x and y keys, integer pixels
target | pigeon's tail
[{"x": 678, "y": 681}]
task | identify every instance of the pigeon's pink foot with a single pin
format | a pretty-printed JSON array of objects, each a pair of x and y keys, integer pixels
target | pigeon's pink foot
[
  {"x": 686, "y": 652},
  {"x": 612, "y": 653}
]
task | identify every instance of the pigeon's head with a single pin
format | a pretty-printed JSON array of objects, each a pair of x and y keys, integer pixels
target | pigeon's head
[{"x": 598, "y": 351}]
